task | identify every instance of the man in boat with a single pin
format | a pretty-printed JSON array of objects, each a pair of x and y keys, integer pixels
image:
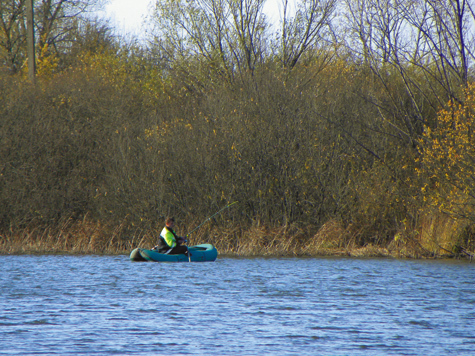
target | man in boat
[{"x": 168, "y": 242}]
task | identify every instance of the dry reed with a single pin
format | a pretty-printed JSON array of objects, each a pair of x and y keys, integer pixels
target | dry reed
[{"x": 332, "y": 239}]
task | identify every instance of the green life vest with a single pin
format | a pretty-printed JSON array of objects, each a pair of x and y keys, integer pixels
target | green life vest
[{"x": 169, "y": 236}]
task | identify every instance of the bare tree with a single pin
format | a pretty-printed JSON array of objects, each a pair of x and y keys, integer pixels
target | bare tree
[
  {"x": 378, "y": 35},
  {"x": 435, "y": 36},
  {"x": 375, "y": 30},
  {"x": 12, "y": 33},
  {"x": 309, "y": 28},
  {"x": 227, "y": 35},
  {"x": 56, "y": 18},
  {"x": 427, "y": 45},
  {"x": 446, "y": 35},
  {"x": 249, "y": 25}
]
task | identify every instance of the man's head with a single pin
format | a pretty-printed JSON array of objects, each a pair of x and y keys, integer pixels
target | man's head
[{"x": 170, "y": 221}]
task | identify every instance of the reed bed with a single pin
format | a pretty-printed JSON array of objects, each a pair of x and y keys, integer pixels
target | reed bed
[
  {"x": 332, "y": 239},
  {"x": 68, "y": 237}
]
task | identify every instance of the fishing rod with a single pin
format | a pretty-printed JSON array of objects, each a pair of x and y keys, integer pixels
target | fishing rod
[{"x": 212, "y": 216}]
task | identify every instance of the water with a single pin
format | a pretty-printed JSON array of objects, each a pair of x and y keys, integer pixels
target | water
[{"x": 95, "y": 305}]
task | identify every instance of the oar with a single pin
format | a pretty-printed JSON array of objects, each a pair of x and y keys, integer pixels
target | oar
[{"x": 212, "y": 216}]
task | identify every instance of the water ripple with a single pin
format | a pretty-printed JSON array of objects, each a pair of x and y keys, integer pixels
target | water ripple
[{"x": 94, "y": 305}]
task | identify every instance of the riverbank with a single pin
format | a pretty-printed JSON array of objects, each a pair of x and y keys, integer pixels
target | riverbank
[{"x": 83, "y": 237}]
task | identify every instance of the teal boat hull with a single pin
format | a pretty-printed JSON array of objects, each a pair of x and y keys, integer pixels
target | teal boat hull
[{"x": 199, "y": 253}]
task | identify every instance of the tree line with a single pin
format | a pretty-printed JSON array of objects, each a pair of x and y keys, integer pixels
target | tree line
[{"x": 347, "y": 111}]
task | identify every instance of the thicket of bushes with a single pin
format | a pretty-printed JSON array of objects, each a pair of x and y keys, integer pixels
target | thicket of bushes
[{"x": 313, "y": 154}]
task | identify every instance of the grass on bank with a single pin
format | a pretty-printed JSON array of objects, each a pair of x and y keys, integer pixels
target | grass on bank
[{"x": 438, "y": 237}]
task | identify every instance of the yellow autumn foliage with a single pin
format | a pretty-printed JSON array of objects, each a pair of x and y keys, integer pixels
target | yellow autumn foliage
[{"x": 447, "y": 158}]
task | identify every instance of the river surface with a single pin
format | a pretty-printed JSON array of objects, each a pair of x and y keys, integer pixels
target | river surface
[{"x": 96, "y": 305}]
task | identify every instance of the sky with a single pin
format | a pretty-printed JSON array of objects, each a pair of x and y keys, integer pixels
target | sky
[{"x": 127, "y": 15}]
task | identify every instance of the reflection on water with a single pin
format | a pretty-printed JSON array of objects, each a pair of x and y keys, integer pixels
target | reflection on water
[{"x": 94, "y": 305}]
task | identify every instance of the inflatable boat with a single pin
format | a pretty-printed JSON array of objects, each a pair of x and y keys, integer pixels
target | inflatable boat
[{"x": 199, "y": 253}]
